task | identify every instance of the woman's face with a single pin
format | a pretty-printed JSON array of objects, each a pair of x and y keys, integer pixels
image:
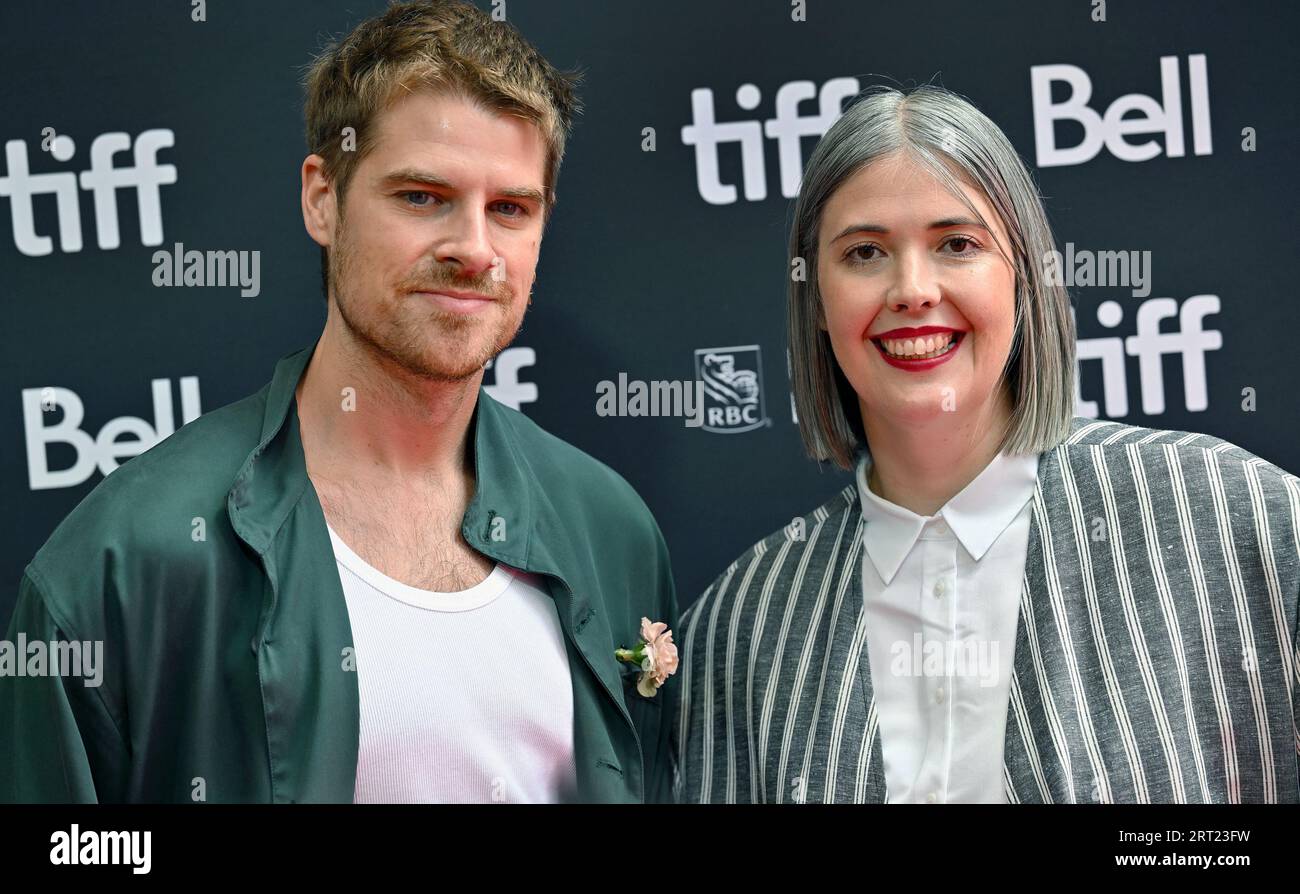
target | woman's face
[{"x": 919, "y": 302}]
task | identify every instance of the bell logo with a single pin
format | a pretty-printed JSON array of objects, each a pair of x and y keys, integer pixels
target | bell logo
[
  {"x": 1128, "y": 115},
  {"x": 123, "y": 437}
]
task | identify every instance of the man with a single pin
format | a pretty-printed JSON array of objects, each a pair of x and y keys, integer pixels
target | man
[{"x": 369, "y": 581}]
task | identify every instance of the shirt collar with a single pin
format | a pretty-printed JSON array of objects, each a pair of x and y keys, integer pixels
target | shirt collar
[
  {"x": 274, "y": 475},
  {"x": 977, "y": 515}
]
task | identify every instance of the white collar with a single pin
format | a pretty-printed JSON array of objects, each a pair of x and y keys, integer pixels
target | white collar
[{"x": 977, "y": 515}]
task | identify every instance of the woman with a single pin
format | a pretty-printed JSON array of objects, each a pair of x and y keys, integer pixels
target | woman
[{"x": 1011, "y": 603}]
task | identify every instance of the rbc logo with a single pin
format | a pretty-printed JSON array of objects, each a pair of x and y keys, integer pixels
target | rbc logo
[
  {"x": 1119, "y": 122},
  {"x": 733, "y": 389}
]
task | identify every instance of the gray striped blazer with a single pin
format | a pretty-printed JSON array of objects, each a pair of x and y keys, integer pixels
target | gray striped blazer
[{"x": 1156, "y": 654}]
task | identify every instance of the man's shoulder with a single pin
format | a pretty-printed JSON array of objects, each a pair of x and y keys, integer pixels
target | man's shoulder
[
  {"x": 593, "y": 525},
  {"x": 184, "y": 477},
  {"x": 573, "y": 481}
]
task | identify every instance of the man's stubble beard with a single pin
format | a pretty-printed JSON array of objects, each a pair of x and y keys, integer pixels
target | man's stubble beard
[{"x": 417, "y": 347}]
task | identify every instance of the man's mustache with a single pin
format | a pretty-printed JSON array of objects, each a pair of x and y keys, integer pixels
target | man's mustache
[{"x": 491, "y": 288}]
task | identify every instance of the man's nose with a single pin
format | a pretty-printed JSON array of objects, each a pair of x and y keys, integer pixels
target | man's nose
[{"x": 468, "y": 243}]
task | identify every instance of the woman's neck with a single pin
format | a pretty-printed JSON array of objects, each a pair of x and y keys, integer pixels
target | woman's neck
[{"x": 922, "y": 467}]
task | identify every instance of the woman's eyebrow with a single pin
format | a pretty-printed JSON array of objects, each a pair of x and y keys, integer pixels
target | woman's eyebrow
[
  {"x": 936, "y": 225},
  {"x": 957, "y": 222},
  {"x": 860, "y": 228}
]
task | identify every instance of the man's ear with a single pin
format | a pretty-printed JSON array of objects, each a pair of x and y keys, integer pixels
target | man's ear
[{"x": 319, "y": 208}]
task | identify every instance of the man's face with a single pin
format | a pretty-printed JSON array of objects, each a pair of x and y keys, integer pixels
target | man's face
[{"x": 433, "y": 262}]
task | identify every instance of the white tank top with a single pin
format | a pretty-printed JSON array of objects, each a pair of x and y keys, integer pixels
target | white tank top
[{"x": 465, "y": 697}]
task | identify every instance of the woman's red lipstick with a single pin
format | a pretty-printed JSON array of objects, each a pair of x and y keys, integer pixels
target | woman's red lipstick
[{"x": 918, "y": 332}]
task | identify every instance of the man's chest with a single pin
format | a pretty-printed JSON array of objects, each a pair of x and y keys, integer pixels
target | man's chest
[{"x": 411, "y": 534}]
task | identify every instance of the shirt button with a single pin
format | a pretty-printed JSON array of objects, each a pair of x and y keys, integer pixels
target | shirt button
[
  {"x": 939, "y": 588},
  {"x": 938, "y": 695},
  {"x": 931, "y": 798}
]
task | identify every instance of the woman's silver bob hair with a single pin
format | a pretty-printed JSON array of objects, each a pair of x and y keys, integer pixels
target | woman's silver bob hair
[{"x": 956, "y": 142}]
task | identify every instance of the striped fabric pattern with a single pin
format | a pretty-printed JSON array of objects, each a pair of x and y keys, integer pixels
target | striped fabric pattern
[{"x": 1157, "y": 653}]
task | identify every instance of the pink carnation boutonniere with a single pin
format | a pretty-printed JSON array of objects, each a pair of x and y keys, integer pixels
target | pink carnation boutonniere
[{"x": 655, "y": 654}]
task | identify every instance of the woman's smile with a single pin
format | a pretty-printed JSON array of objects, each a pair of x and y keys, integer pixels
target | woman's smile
[{"x": 920, "y": 349}]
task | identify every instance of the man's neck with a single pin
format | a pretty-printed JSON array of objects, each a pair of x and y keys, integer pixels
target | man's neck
[
  {"x": 922, "y": 467},
  {"x": 363, "y": 412}
]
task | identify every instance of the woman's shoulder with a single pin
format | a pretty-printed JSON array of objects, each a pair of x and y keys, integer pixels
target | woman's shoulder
[
  {"x": 807, "y": 546},
  {"x": 1107, "y": 467},
  {"x": 1101, "y": 438}
]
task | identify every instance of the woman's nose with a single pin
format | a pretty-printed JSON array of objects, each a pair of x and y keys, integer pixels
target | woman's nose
[{"x": 914, "y": 287}]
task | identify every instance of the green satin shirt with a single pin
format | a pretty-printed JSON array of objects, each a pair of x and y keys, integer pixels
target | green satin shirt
[{"x": 205, "y": 568}]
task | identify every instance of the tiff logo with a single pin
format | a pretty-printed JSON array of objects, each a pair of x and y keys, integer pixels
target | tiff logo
[
  {"x": 788, "y": 128},
  {"x": 1188, "y": 339},
  {"x": 102, "y": 180},
  {"x": 508, "y": 389}
]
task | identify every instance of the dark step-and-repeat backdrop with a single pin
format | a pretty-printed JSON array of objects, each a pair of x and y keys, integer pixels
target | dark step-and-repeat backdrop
[{"x": 1163, "y": 134}]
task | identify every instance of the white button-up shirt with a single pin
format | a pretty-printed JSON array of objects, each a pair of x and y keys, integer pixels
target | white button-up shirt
[{"x": 942, "y": 599}]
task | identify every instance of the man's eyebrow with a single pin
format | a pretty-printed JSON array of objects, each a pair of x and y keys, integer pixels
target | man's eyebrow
[
  {"x": 936, "y": 225},
  {"x": 524, "y": 192},
  {"x": 414, "y": 175},
  {"x": 425, "y": 178}
]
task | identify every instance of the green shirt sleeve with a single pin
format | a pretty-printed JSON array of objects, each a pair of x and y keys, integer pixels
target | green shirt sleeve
[{"x": 58, "y": 741}]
